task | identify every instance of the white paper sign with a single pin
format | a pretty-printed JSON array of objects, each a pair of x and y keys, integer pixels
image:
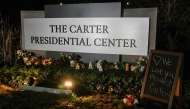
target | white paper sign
[{"x": 126, "y": 36}]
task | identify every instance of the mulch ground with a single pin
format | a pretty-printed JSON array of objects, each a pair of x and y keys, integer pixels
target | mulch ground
[{"x": 4, "y": 89}]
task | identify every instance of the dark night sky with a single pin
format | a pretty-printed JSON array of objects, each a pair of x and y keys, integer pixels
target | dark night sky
[
  {"x": 12, "y": 8},
  {"x": 9, "y": 6}
]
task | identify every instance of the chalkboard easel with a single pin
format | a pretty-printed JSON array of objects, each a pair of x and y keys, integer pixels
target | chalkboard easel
[{"x": 163, "y": 77}]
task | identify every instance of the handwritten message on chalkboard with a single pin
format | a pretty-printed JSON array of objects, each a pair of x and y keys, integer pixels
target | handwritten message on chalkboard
[{"x": 161, "y": 75}]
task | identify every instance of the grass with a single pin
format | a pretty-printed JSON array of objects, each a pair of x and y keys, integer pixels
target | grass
[
  {"x": 34, "y": 100},
  {"x": 11, "y": 98},
  {"x": 15, "y": 99}
]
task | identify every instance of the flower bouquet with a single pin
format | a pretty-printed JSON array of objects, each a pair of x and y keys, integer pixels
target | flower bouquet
[{"x": 130, "y": 100}]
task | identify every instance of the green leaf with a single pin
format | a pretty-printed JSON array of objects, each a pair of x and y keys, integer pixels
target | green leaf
[{"x": 123, "y": 66}]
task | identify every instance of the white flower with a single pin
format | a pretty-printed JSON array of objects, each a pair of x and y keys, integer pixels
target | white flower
[
  {"x": 99, "y": 65},
  {"x": 135, "y": 101},
  {"x": 91, "y": 65},
  {"x": 19, "y": 51},
  {"x": 77, "y": 66},
  {"x": 141, "y": 59}
]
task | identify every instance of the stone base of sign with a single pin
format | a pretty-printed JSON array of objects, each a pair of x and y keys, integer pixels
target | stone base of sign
[{"x": 43, "y": 89}]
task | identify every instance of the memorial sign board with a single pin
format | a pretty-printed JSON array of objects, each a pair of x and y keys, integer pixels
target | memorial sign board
[
  {"x": 161, "y": 76},
  {"x": 128, "y": 36}
]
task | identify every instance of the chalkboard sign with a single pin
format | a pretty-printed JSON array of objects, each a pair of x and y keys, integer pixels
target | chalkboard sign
[{"x": 161, "y": 76}]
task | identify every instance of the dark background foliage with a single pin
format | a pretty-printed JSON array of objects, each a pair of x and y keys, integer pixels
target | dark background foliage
[{"x": 173, "y": 33}]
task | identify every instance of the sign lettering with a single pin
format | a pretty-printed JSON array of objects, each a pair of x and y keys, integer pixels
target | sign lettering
[
  {"x": 161, "y": 76},
  {"x": 128, "y": 36}
]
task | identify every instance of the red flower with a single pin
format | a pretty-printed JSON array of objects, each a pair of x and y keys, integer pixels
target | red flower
[
  {"x": 131, "y": 97},
  {"x": 128, "y": 102}
]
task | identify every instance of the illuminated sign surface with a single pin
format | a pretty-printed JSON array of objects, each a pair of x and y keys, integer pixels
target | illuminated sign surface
[{"x": 127, "y": 36}]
